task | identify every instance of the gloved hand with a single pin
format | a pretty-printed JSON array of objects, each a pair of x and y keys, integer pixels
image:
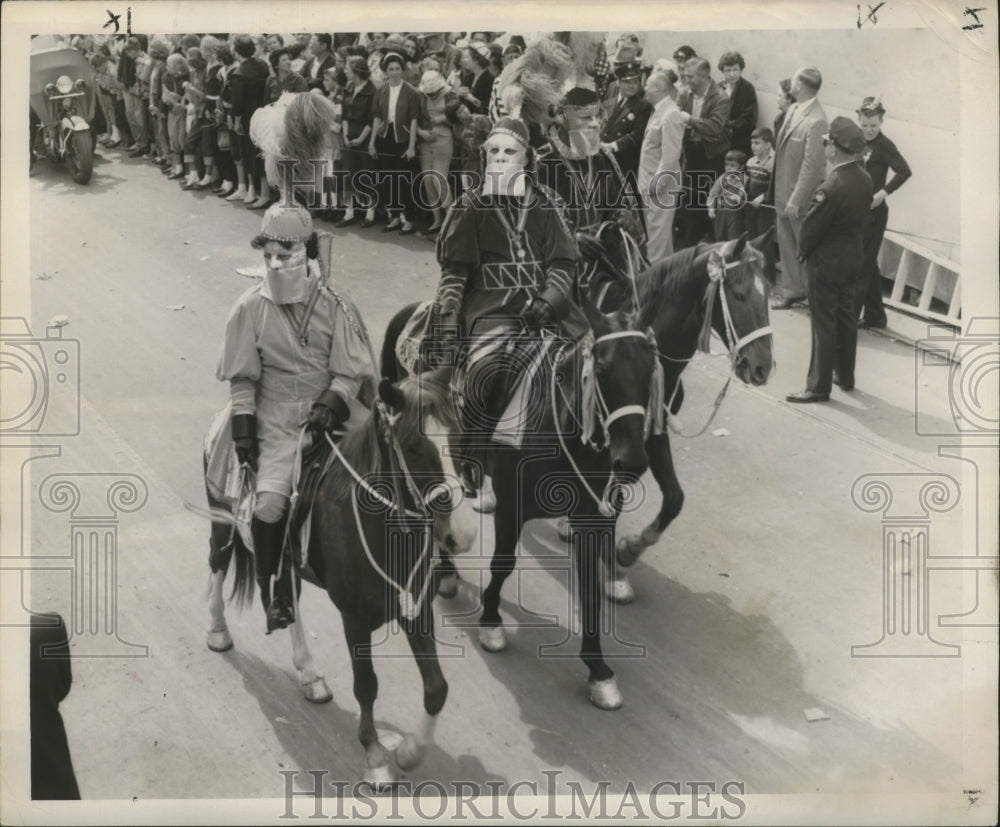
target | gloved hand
[
  {"x": 328, "y": 412},
  {"x": 538, "y": 313},
  {"x": 245, "y": 439},
  {"x": 591, "y": 247}
]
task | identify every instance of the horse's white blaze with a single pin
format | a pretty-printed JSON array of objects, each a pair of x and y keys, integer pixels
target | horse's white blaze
[
  {"x": 463, "y": 524},
  {"x": 758, "y": 284}
]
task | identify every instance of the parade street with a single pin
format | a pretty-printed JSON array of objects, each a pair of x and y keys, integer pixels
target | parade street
[{"x": 735, "y": 660}]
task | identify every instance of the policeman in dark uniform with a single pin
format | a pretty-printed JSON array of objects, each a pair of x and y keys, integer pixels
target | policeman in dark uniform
[
  {"x": 627, "y": 113},
  {"x": 830, "y": 244}
]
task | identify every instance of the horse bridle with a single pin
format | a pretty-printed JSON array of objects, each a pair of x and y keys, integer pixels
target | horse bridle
[
  {"x": 716, "y": 284},
  {"x": 604, "y": 416}
]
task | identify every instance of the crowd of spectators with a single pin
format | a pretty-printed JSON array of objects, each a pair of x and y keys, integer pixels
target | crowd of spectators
[{"x": 422, "y": 102}]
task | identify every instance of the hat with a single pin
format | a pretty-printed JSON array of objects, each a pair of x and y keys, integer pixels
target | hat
[
  {"x": 482, "y": 49},
  {"x": 390, "y": 56},
  {"x": 684, "y": 53},
  {"x": 289, "y": 223},
  {"x": 626, "y": 63},
  {"x": 872, "y": 106},
  {"x": 580, "y": 97},
  {"x": 847, "y": 135},
  {"x": 431, "y": 82},
  {"x": 514, "y": 127}
]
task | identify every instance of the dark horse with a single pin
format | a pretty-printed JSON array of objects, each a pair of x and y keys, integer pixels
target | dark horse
[
  {"x": 388, "y": 499},
  {"x": 590, "y": 417},
  {"x": 718, "y": 287}
]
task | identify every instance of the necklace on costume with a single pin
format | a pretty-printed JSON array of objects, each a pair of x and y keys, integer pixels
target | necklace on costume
[{"x": 516, "y": 234}]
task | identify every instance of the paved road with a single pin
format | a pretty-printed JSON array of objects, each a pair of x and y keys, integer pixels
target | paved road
[{"x": 747, "y": 608}]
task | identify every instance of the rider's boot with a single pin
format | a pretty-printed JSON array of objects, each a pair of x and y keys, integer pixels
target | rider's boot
[{"x": 268, "y": 540}]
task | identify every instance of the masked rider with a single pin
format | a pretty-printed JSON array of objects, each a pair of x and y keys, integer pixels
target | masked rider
[
  {"x": 295, "y": 351},
  {"x": 508, "y": 267},
  {"x": 591, "y": 183}
]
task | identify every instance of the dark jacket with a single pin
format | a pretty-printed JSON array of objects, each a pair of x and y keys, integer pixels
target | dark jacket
[
  {"x": 742, "y": 114},
  {"x": 626, "y": 125},
  {"x": 832, "y": 230},
  {"x": 880, "y": 156},
  {"x": 248, "y": 83},
  {"x": 482, "y": 90},
  {"x": 407, "y": 110},
  {"x": 275, "y": 86},
  {"x": 359, "y": 110},
  {"x": 328, "y": 63},
  {"x": 50, "y": 678},
  {"x": 710, "y": 132}
]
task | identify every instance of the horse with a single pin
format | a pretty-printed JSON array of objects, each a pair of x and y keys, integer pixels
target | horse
[
  {"x": 389, "y": 496},
  {"x": 596, "y": 404},
  {"x": 720, "y": 287}
]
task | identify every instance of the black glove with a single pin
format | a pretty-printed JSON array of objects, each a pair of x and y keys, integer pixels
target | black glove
[
  {"x": 245, "y": 439},
  {"x": 538, "y": 313},
  {"x": 328, "y": 412},
  {"x": 591, "y": 247}
]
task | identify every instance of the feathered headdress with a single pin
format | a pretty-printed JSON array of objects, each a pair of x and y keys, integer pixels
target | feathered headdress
[
  {"x": 531, "y": 87},
  {"x": 296, "y": 127}
]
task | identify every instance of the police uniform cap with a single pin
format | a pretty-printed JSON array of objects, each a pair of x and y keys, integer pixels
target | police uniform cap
[{"x": 847, "y": 135}]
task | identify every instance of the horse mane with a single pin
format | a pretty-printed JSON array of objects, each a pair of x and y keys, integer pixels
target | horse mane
[
  {"x": 666, "y": 280},
  {"x": 424, "y": 394}
]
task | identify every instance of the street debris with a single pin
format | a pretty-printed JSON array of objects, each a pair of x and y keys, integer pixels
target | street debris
[
  {"x": 58, "y": 321},
  {"x": 814, "y": 714},
  {"x": 175, "y": 307},
  {"x": 721, "y": 432}
]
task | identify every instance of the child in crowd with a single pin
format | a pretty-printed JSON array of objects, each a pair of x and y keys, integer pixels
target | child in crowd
[
  {"x": 760, "y": 216},
  {"x": 728, "y": 197},
  {"x": 334, "y": 82}
]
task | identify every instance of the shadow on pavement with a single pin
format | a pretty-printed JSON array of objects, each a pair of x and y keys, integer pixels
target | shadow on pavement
[{"x": 717, "y": 696}]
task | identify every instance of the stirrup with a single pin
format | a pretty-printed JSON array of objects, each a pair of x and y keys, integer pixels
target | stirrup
[{"x": 279, "y": 615}]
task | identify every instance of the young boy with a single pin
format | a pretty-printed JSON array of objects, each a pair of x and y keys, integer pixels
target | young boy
[
  {"x": 760, "y": 216},
  {"x": 728, "y": 197}
]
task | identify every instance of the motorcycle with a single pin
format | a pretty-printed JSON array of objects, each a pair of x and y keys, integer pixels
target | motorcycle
[{"x": 63, "y": 92}]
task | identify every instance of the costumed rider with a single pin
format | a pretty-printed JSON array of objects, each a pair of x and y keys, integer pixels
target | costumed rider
[
  {"x": 508, "y": 264},
  {"x": 295, "y": 352},
  {"x": 572, "y": 162}
]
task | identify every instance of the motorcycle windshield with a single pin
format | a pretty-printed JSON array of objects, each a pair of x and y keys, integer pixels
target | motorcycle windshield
[{"x": 48, "y": 64}]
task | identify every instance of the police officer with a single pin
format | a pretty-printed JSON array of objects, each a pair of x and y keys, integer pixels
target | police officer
[
  {"x": 830, "y": 245},
  {"x": 627, "y": 113}
]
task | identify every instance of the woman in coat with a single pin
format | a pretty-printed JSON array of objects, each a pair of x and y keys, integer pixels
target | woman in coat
[
  {"x": 393, "y": 143},
  {"x": 357, "y": 163},
  {"x": 249, "y": 82}
]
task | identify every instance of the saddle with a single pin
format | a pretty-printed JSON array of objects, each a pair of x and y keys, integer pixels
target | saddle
[{"x": 316, "y": 461}]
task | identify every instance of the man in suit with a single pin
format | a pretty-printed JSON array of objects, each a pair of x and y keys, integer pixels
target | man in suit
[
  {"x": 830, "y": 244},
  {"x": 322, "y": 59},
  {"x": 798, "y": 169},
  {"x": 660, "y": 183},
  {"x": 626, "y": 115},
  {"x": 706, "y": 140}
]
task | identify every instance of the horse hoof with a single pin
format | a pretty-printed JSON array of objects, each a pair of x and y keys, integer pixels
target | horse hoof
[
  {"x": 220, "y": 641},
  {"x": 605, "y": 694},
  {"x": 492, "y": 638},
  {"x": 619, "y": 591},
  {"x": 317, "y": 692},
  {"x": 564, "y": 529},
  {"x": 379, "y": 778},
  {"x": 448, "y": 586},
  {"x": 409, "y": 753},
  {"x": 486, "y": 504}
]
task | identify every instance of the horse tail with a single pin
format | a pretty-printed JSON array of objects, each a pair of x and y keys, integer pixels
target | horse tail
[
  {"x": 389, "y": 365},
  {"x": 225, "y": 544}
]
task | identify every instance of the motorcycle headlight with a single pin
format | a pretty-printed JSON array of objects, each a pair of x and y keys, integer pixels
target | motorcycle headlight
[
  {"x": 64, "y": 85},
  {"x": 50, "y": 89},
  {"x": 80, "y": 85}
]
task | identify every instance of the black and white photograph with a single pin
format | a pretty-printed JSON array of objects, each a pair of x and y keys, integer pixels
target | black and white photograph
[{"x": 596, "y": 418}]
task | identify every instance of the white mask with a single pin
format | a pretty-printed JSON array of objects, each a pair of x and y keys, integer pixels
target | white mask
[
  {"x": 506, "y": 158},
  {"x": 287, "y": 282}
]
